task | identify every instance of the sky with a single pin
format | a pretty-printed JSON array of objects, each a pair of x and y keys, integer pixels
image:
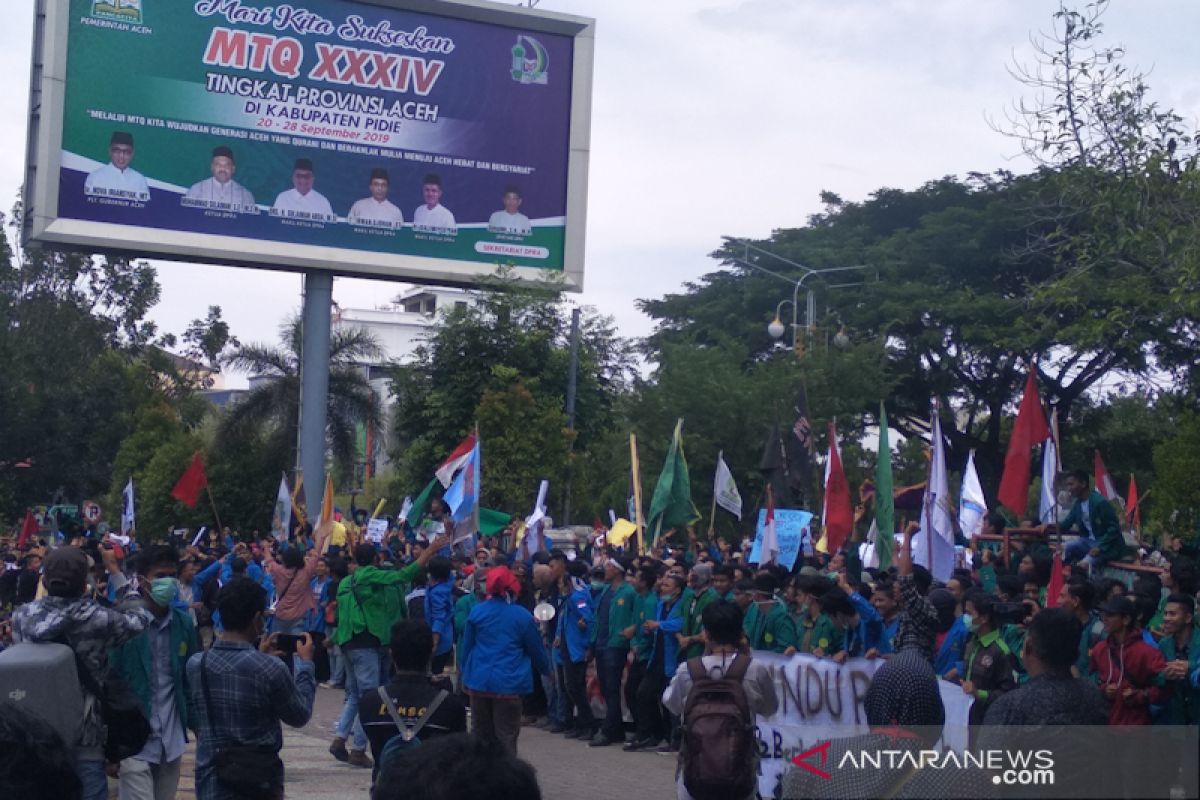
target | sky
[{"x": 720, "y": 118}]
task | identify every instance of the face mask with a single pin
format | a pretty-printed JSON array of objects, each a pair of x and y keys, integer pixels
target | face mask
[
  {"x": 598, "y": 585},
  {"x": 164, "y": 590},
  {"x": 968, "y": 622}
]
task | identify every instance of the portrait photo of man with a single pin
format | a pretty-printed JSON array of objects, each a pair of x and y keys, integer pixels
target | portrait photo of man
[
  {"x": 302, "y": 199},
  {"x": 117, "y": 178},
  {"x": 377, "y": 209},
  {"x": 432, "y": 215},
  {"x": 509, "y": 219},
  {"x": 221, "y": 190}
]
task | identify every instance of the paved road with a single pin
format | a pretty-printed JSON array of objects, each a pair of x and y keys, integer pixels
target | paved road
[{"x": 567, "y": 770}]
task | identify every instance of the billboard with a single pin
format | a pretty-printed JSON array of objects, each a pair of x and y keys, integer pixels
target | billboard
[{"x": 408, "y": 139}]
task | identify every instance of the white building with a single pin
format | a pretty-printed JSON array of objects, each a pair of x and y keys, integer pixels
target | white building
[{"x": 400, "y": 327}]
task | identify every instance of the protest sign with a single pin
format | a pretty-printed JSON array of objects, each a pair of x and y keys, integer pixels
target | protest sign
[
  {"x": 793, "y": 529},
  {"x": 376, "y": 530},
  {"x": 820, "y": 700}
]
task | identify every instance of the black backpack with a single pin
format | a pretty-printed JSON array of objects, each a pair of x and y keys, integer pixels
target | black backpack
[{"x": 719, "y": 749}]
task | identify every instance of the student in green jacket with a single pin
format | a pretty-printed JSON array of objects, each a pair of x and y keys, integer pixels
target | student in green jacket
[
  {"x": 767, "y": 624},
  {"x": 816, "y": 633},
  {"x": 369, "y": 602},
  {"x": 722, "y": 582},
  {"x": 644, "y": 583},
  {"x": 1092, "y": 516},
  {"x": 464, "y": 604},
  {"x": 691, "y": 643},
  {"x": 1181, "y": 648},
  {"x": 616, "y": 611},
  {"x": 153, "y": 665}
]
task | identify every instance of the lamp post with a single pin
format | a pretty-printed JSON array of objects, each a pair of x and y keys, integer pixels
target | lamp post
[{"x": 776, "y": 328}]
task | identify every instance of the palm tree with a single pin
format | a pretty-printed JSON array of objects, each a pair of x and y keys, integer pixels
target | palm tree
[{"x": 273, "y": 407}]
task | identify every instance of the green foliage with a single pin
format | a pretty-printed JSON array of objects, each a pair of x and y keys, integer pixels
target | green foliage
[
  {"x": 525, "y": 439},
  {"x": 1178, "y": 501},
  {"x": 271, "y": 411},
  {"x": 509, "y": 356}
]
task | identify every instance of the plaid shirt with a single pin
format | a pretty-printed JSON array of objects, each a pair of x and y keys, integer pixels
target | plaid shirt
[
  {"x": 251, "y": 693},
  {"x": 918, "y": 623}
]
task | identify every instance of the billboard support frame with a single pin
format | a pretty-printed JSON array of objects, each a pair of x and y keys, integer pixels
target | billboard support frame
[{"x": 41, "y": 224}]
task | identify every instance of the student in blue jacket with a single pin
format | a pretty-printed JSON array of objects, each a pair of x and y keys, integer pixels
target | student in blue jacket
[
  {"x": 439, "y": 611},
  {"x": 664, "y": 656},
  {"x": 501, "y": 649},
  {"x": 572, "y": 637}
]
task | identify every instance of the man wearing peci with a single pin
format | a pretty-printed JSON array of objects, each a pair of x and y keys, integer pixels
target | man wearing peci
[
  {"x": 509, "y": 219},
  {"x": 377, "y": 208},
  {"x": 117, "y": 178},
  {"x": 433, "y": 215},
  {"x": 302, "y": 199},
  {"x": 221, "y": 189}
]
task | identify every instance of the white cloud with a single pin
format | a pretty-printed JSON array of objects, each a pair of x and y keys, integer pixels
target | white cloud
[{"x": 727, "y": 118}]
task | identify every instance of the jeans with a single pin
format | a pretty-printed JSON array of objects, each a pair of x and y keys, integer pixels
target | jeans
[
  {"x": 92, "y": 778},
  {"x": 610, "y": 667},
  {"x": 337, "y": 666},
  {"x": 576, "y": 685},
  {"x": 293, "y": 626},
  {"x": 1078, "y": 549},
  {"x": 565, "y": 706},
  {"x": 554, "y": 711},
  {"x": 637, "y": 671},
  {"x": 498, "y": 719},
  {"x": 143, "y": 781},
  {"x": 365, "y": 670}
]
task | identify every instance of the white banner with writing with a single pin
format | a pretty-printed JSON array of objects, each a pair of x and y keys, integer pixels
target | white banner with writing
[{"x": 820, "y": 700}]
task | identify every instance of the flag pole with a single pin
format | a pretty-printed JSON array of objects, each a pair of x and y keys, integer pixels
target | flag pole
[
  {"x": 213, "y": 505},
  {"x": 712, "y": 515},
  {"x": 637, "y": 494}
]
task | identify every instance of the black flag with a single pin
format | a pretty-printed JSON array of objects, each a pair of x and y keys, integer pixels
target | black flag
[{"x": 798, "y": 450}]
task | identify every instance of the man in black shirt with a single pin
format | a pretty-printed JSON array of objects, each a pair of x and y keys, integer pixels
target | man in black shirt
[{"x": 411, "y": 690}]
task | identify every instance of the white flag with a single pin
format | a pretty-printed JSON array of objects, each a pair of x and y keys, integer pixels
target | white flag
[
  {"x": 281, "y": 520},
  {"x": 972, "y": 507},
  {"x": 866, "y": 552},
  {"x": 128, "y": 515},
  {"x": 1048, "y": 504},
  {"x": 725, "y": 489},
  {"x": 933, "y": 546},
  {"x": 535, "y": 524},
  {"x": 770, "y": 540}
]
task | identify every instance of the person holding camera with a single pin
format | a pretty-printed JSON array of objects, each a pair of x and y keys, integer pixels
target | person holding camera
[{"x": 241, "y": 691}]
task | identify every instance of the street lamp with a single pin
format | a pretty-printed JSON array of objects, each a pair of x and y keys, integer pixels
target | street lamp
[{"x": 776, "y": 328}]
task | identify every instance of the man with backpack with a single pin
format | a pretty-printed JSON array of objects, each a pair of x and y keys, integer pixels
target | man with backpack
[
  {"x": 718, "y": 696},
  {"x": 414, "y": 706},
  {"x": 66, "y": 616}
]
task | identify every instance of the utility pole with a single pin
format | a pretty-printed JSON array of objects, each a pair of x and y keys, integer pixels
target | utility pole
[{"x": 572, "y": 388}]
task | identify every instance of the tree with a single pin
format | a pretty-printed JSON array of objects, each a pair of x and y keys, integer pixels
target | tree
[
  {"x": 272, "y": 409},
  {"x": 512, "y": 348},
  {"x": 525, "y": 440},
  {"x": 1177, "y": 507}
]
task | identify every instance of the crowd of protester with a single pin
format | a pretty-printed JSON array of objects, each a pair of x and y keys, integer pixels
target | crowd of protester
[{"x": 227, "y": 638}]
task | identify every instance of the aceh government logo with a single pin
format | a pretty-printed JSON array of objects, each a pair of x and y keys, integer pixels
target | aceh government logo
[
  {"x": 530, "y": 63},
  {"x": 118, "y": 10}
]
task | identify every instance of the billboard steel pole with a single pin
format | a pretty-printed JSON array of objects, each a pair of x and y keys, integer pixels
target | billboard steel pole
[{"x": 314, "y": 379}]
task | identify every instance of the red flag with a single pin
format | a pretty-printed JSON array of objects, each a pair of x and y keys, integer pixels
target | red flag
[
  {"x": 1054, "y": 588},
  {"x": 1104, "y": 481},
  {"x": 29, "y": 528},
  {"x": 455, "y": 461},
  {"x": 769, "y": 551},
  {"x": 1030, "y": 430},
  {"x": 1133, "y": 511},
  {"x": 187, "y": 491},
  {"x": 839, "y": 514}
]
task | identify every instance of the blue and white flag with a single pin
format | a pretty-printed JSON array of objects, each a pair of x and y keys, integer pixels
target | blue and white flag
[
  {"x": 128, "y": 515},
  {"x": 933, "y": 545},
  {"x": 463, "y": 495},
  {"x": 972, "y": 505}
]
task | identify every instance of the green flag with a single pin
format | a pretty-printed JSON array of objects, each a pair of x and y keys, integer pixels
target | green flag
[
  {"x": 417, "y": 512},
  {"x": 885, "y": 510},
  {"x": 492, "y": 522},
  {"x": 672, "y": 506}
]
